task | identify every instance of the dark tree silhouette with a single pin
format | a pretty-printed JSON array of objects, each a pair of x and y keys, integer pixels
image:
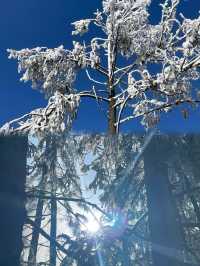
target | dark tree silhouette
[{"x": 13, "y": 151}]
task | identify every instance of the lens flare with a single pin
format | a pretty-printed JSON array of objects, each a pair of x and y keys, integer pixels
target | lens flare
[{"x": 92, "y": 225}]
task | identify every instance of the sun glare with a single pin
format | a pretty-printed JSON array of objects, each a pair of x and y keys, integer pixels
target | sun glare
[{"x": 92, "y": 225}]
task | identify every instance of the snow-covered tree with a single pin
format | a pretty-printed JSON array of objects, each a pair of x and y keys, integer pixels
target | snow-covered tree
[{"x": 131, "y": 65}]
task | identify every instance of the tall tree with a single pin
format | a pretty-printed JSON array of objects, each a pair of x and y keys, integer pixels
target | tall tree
[
  {"x": 12, "y": 197},
  {"x": 165, "y": 231},
  {"x": 132, "y": 65},
  {"x": 51, "y": 172},
  {"x": 38, "y": 221}
]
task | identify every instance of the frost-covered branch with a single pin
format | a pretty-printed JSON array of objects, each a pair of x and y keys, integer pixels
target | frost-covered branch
[
  {"x": 59, "y": 112},
  {"x": 152, "y": 115},
  {"x": 92, "y": 95}
]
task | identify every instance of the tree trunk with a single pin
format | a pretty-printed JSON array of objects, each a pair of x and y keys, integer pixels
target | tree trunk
[
  {"x": 53, "y": 231},
  {"x": 112, "y": 115},
  {"x": 35, "y": 234},
  {"x": 112, "y": 56},
  {"x": 163, "y": 223},
  {"x": 13, "y": 151},
  {"x": 38, "y": 221}
]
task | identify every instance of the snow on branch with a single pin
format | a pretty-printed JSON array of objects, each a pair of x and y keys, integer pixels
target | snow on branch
[
  {"x": 55, "y": 118},
  {"x": 81, "y": 26},
  {"x": 47, "y": 69}
]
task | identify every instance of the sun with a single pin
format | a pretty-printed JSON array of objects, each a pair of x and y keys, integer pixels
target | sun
[{"x": 93, "y": 224}]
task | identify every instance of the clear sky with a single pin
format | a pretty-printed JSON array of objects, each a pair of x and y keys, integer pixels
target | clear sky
[{"x": 27, "y": 24}]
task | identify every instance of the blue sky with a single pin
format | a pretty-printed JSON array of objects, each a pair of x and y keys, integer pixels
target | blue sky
[{"x": 27, "y": 24}]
